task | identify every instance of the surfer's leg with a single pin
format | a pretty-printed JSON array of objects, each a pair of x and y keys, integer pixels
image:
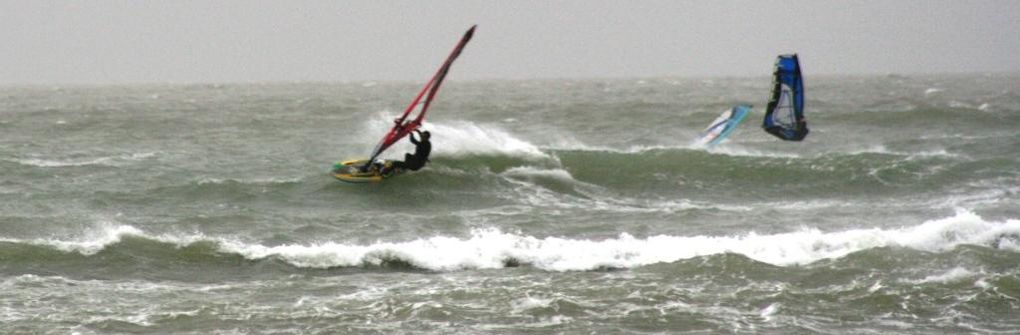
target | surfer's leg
[
  {"x": 414, "y": 164},
  {"x": 397, "y": 165}
]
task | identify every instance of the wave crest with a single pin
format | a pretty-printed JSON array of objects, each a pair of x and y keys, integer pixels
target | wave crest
[{"x": 492, "y": 248}]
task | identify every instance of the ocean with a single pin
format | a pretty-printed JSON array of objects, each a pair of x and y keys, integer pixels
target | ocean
[{"x": 549, "y": 206}]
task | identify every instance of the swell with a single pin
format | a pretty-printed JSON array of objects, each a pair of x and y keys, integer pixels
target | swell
[
  {"x": 603, "y": 174},
  {"x": 961, "y": 117},
  {"x": 667, "y": 171},
  {"x": 127, "y": 251},
  {"x": 882, "y": 286}
]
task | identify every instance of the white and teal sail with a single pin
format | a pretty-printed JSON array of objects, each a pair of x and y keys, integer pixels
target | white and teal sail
[{"x": 723, "y": 126}]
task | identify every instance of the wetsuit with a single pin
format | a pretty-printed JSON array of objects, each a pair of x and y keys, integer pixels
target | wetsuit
[
  {"x": 790, "y": 135},
  {"x": 416, "y": 161}
]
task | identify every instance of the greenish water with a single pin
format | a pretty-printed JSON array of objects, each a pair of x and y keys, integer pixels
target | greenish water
[{"x": 549, "y": 207}]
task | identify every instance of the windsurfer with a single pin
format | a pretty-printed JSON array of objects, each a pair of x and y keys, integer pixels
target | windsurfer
[
  {"x": 414, "y": 162},
  {"x": 802, "y": 130}
]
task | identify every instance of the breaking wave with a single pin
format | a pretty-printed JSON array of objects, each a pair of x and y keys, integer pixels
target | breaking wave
[{"x": 492, "y": 248}]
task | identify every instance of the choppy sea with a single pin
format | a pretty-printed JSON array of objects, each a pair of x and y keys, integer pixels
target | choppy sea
[{"x": 550, "y": 206}]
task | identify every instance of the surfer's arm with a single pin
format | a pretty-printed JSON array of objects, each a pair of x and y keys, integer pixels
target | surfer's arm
[{"x": 413, "y": 140}]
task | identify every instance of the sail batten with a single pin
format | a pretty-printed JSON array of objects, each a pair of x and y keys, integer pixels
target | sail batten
[{"x": 784, "y": 114}]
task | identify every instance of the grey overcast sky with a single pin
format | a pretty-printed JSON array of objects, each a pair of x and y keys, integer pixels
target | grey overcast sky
[{"x": 98, "y": 42}]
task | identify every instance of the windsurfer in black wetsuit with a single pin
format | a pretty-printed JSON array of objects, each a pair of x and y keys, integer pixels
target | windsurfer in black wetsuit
[
  {"x": 416, "y": 161},
  {"x": 802, "y": 130},
  {"x": 796, "y": 134},
  {"x": 799, "y": 132}
]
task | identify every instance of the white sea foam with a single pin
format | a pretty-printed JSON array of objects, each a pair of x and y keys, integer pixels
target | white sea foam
[
  {"x": 959, "y": 104},
  {"x": 595, "y": 197},
  {"x": 458, "y": 138},
  {"x": 769, "y": 312},
  {"x": 103, "y": 235},
  {"x": 492, "y": 248},
  {"x": 108, "y": 161},
  {"x": 873, "y": 149},
  {"x": 672, "y": 206},
  {"x": 932, "y": 153},
  {"x": 532, "y": 188},
  {"x": 530, "y": 172},
  {"x": 969, "y": 136},
  {"x": 954, "y": 274},
  {"x": 529, "y": 302},
  {"x": 259, "y": 181},
  {"x": 95, "y": 240},
  {"x": 729, "y": 149},
  {"x": 993, "y": 191},
  {"x": 736, "y": 150},
  {"x": 802, "y": 205},
  {"x": 875, "y": 287},
  {"x": 881, "y": 149},
  {"x": 62, "y": 163},
  {"x": 464, "y": 138},
  {"x": 566, "y": 142}
]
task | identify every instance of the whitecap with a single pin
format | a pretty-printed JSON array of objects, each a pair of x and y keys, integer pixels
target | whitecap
[
  {"x": 103, "y": 161},
  {"x": 62, "y": 163},
  {"x": 530, "y": 171},
  {"x": 459, "y": 138},
  {"x": 959, "y": 104},
  {"x": 767, "y": 313},
  {"x": 953, "y": 275},
  {"x": 492, "y": 248}
]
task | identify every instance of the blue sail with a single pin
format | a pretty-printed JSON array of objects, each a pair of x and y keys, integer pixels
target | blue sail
[
  {"x": 723, "y": 125},
  {"x": 784, "y": 115}
]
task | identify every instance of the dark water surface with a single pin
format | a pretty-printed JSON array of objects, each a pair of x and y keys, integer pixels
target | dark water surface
[{"x": 549, "y": 206}]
